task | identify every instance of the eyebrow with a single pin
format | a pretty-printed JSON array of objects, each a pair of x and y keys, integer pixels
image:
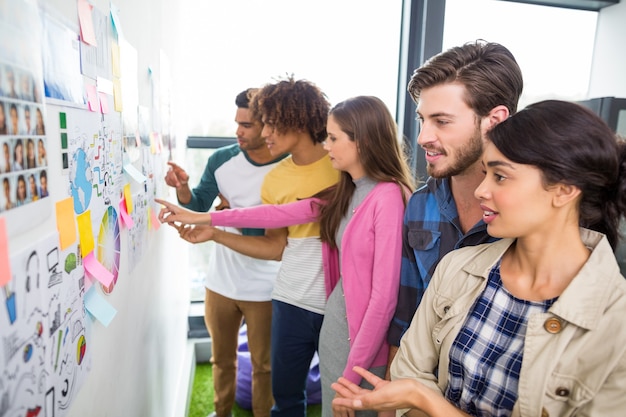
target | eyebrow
[
  {"x": 499, "y": 163},
  {"x": 434, "y": 115}
]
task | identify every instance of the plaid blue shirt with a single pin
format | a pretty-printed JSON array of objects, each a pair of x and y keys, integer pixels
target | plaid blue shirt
[
  {"x": 431, "y": 230},
  {"x": 486, "y": 355}
]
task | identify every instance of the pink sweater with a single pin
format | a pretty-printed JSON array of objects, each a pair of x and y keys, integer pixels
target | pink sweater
[{"x": 370, "y": 260}]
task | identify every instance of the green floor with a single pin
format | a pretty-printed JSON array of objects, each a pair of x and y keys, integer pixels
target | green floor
[{"x": 202, "y": 396}]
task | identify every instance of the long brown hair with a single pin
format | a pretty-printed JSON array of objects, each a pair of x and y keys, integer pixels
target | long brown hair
[{"x": 367, "y": 122}]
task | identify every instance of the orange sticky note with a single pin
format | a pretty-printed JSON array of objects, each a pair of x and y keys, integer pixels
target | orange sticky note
[
  {"x": 66, "y": 222},
  {"x": 86, "y": 233},
  {"x": 155, "y": 220},
  {"x": 5, "y": 265},
  {"x": 85, "y": 19},
  {"x": 129, "y": 199}
]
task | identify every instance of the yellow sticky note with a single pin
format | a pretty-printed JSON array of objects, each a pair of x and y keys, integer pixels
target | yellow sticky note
[
  {"x": 86, "y": 233},
  {"x": 129, "y": 199},
  {"x": 117, "y": 95},
  {"x": 66, "y": 223}
]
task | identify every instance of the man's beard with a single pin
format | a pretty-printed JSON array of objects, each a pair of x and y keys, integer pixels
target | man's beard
[{"x": 466, "y": 156}]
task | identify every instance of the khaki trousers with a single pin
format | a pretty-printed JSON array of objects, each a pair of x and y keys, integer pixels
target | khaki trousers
[{"x": 223, "y": 317}]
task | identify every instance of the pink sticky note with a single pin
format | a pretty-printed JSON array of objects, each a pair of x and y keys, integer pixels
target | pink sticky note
[
  {"x": 97, "y": 270},
  {"x": 92, "y": 98},
  {"x": 88, "y": 282},
  {"x": 85, "y": 19},
  {"x": 126, "y": 218},
  {"x": 5, "y": 265},
  {"x": 104, "y": 102}
]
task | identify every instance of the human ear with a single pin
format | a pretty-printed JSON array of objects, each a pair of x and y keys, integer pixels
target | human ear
[
  {"x": 564, "y": 194},
  {"x": 496, "y": 115}
]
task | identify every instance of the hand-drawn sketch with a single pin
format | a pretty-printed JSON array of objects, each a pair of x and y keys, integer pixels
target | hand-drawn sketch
[{"x": 44, "y": 329}]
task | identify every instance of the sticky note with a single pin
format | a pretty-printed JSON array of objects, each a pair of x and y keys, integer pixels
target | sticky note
[
  {"x": 98, "y": 307},
  {"x": 5, "y": 265},
  {"x": 155, "y": 219},
  {"x": 129, "y": 199},
  {"x": 117, "y": 95},
  {"x": 85, "y": 19},
  {"x": 126, "y": 218},
  {"x": 104, "y": 103},
  {"x": 134, "y": 173},
  {"x": 92, "y": 98},
  {"x": 85, "y": 232},
  {"x": 66, "y": 222},
  {"x": 96, "y": 270}
]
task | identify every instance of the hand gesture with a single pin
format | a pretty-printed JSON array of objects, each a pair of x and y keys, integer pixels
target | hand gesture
[
  {"x": 196, "y": 233},
  {"x": 386, "y": 395},
  {"x": 176, "y": 215},
  {"x": 176, "y": 176}
]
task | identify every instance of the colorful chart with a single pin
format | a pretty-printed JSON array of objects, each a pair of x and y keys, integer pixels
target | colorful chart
[{"x": 109, "y": 246}]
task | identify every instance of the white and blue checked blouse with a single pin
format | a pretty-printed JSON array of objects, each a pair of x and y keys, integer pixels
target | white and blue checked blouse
[{"x": 486, "y": 356}]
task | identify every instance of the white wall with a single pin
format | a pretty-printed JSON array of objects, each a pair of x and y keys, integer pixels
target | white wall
[
  {"x": 138, "y": 361},
  {"x": 609, "y": 58}
]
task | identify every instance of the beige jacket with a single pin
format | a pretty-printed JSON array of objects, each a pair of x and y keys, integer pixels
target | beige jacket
[{"x": 574, "y": 355}]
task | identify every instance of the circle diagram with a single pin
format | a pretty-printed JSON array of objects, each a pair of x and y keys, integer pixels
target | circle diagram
[{"x": 109, "y": 246}]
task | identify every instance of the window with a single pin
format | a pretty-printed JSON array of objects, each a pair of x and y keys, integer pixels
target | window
[
  {"x": 347, "y": 48},
  {"x": 552, "y": 45}
]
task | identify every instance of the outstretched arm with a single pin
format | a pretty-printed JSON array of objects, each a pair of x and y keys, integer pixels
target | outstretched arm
[
  {"x": 270, "y": 246},
  {"x": 172, "y": 214}
]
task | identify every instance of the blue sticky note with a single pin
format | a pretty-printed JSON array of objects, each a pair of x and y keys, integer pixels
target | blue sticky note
[{"x": 98, "y": 307}]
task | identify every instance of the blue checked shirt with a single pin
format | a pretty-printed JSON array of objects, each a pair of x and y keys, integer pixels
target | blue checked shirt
[
  {"x": 431, "y": 229},
  {"x": 486, "y": 356}
]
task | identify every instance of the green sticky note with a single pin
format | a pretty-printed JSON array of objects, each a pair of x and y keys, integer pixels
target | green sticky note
[{"x": 62, "y": 121}]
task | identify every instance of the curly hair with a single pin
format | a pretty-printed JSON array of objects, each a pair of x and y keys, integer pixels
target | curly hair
[{"x": 292, "y": 105}]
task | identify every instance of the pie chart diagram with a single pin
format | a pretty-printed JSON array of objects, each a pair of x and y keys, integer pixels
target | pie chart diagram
[{"x": 109, "y": 246}]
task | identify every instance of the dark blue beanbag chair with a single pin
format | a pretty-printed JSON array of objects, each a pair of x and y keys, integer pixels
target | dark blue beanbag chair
[{"x": 243, "y": 395}]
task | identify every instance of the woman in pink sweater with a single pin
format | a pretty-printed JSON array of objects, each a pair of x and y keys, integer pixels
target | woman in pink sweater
[{"x": 361, "y": 230}]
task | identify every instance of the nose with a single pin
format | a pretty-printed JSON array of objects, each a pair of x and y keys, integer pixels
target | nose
[
  {"x": 482, "y": 191},
  {"x": 326, "y": 145},
  {"x": 266, "y": 131},
  {"x": 426, "y": 135},
  {"x": 239, "y": 131}
]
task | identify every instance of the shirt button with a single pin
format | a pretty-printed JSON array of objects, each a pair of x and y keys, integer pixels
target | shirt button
[
  {"x": 552, "y": 325},
  {"x": 562, "y": 392},
  {"x": 544, "y": 413}
]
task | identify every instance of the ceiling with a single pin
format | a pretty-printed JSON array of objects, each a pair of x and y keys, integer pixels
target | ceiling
[{"x": 593, "y": 5}]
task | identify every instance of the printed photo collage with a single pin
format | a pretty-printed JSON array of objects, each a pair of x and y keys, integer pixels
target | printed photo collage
[{"x": 23, "y": 158}]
